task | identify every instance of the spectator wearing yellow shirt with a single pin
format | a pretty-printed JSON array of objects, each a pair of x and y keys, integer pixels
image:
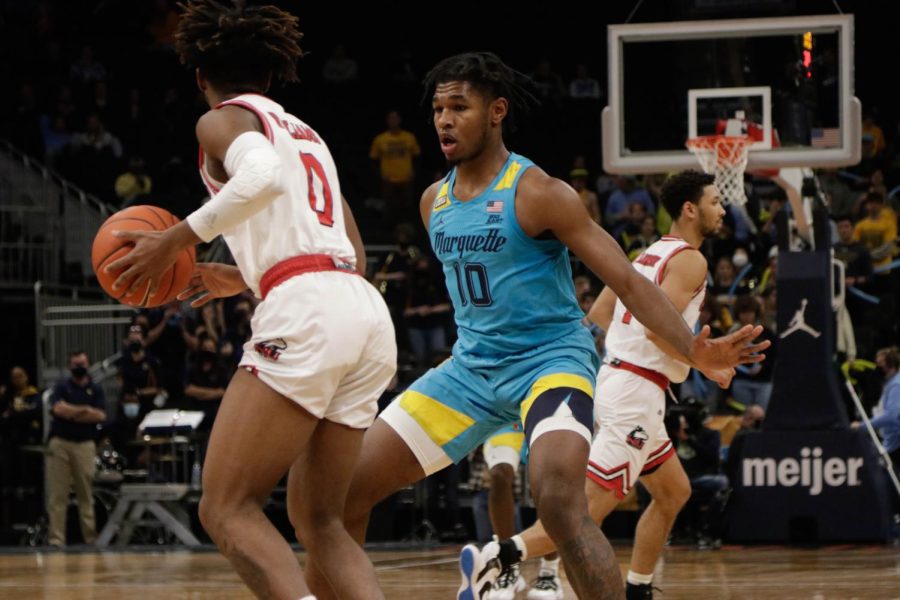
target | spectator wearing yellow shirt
[
  {"x": 872, "y": 129},
  {"x": 395, "y": 150},
  {"x": 877, "y": 231},
  {"x": 134, "y": 184}
]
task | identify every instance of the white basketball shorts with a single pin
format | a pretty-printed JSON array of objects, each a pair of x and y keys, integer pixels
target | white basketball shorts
[
  {"x": 326, "y": 341},
  {"x": 631, "y": 437}
]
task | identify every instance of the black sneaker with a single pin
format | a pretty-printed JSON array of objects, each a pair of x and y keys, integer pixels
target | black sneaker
[{"x": 643, "y": 591}]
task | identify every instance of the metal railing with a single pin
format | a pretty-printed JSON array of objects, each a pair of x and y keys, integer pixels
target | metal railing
[
  {"x": 46, "y": 223},
  {"x": 71, "y": 318}
]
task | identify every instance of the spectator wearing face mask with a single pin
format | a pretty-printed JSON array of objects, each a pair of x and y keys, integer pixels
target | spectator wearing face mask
[
  {"x": 168, "y": 339},
  {"x": 77, "y": 407},
  {"x": 740, "y": 258},
  {"x": 745, "y": 272},
  {"x": 124, "y": 427},
  {"x": 139, "y": 370}
]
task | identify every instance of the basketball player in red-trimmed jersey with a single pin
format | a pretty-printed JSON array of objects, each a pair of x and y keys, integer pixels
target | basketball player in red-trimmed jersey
[
  {"x": 322, "y": 349},
  {"x": 631, "y": 440}
]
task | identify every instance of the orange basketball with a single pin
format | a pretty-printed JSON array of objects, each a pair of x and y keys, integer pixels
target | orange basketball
[{"x": 108, "y": 248}]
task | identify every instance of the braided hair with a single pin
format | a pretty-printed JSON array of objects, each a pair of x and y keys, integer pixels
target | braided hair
[
  {"x": 236, "y": 46},
  {"x": 489, "y": 75}
]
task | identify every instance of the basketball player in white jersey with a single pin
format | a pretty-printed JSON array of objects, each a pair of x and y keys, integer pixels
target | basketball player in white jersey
[
  {"x": 322, "y": 349},
  {"x": 631, "y": 439}
]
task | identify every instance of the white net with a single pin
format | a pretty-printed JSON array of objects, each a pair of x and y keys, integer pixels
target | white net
[{"x": 725, "y": 157}]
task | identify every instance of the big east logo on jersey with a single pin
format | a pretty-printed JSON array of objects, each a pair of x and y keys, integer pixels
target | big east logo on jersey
[{"x": 442, "y": 201}]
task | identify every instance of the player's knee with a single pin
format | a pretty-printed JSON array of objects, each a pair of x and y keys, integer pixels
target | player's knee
[
  {"x": 321, "y": 510},
  {"x": 214, "y": 512},
  {"x": 502, "y": 477},
  {"x": 559, "y": 502},
  {"x": 319, "y": 531},
  {"x": 669, "y": 500},
  {"x": 303, "y": 518},
  {"x": 557, "y": 516},
  {"x": 677, "y": 495}
]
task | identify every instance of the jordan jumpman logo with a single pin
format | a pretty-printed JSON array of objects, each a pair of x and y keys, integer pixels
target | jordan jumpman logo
[{"x": 798, "y": 323}]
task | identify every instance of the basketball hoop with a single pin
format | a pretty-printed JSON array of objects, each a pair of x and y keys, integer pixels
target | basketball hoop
[{"x": 725, "y": 156}]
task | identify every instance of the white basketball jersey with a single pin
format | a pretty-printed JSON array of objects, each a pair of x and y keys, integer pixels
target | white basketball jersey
[
  {"x": 627, "y": 340},
  {"x": 308, "y": 217}
]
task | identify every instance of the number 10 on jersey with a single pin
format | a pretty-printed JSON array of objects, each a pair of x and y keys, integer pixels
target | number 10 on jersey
[{"x": 476, "y": 284}]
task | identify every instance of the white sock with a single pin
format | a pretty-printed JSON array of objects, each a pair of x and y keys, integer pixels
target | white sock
[
  {"x": 638, "y": 579},
  {"x": 307, "y": 598},
  {"x": 520, "y": 545},
  {"x": 550, "y": 566}
]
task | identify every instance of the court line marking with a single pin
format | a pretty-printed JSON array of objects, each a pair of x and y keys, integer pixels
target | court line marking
[{"x": 421, "y": 563}]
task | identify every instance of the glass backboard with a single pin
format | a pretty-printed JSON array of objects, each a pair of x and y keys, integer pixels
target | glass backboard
[{"x": 792, "y": 77}]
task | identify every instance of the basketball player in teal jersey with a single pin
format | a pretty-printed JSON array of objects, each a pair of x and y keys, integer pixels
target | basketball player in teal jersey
[{"x": 502, "y": 227}]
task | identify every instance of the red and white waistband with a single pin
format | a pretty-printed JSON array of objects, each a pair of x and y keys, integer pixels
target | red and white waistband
[{"x": 299, "y": 265}]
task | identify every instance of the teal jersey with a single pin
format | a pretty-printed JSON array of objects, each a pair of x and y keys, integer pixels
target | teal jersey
[{"x": 511, "y": 293}]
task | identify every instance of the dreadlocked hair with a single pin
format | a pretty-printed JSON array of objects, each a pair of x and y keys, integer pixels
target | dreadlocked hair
[
  {"x": 489, "y": 75},
  {"x": 236, "y": 45}
]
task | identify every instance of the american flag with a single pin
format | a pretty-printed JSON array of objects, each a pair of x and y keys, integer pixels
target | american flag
[
  {"x": 495, "y": 206},
  {"x": 828, "y": 137}
]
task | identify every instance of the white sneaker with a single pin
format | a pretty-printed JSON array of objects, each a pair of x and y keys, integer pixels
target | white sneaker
[
  {"x": 508, "y": 584},
  {"x": 546, "y": 587},
  {"x": 479, "y": 569}
]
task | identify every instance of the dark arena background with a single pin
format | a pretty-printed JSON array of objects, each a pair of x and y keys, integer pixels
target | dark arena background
[{"x": 791, "y": 489}]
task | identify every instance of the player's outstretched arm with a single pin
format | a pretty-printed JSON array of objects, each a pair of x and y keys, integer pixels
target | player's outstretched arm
[
  {"x": 683, "y": 278},
  {"x": 544, "y": 203},
  {"x": 737, "y": 348}
]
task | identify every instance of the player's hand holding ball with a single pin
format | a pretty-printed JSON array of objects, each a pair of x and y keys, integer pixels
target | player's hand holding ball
[{"x": 143, "y": 256}]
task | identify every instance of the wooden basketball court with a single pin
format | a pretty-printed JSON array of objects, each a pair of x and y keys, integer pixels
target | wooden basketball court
[{"x": 761, "y": 572}]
